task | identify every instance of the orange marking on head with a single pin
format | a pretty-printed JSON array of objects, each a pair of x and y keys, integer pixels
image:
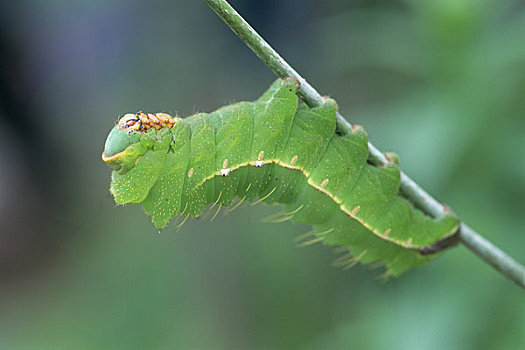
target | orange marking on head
[
  {"x": 153, "y": 117},
  {"x": 387, "y": 232},
  {"x": 356, "y": 209},
  {"x": 261, "y": 155},
  {"x": 129, "y": 121},
  {"x": 157, "y": 120},
  {"x": 143, "y": 117},
  {"x": 190, "y": 172},
  {"x": 294, "y": 159},
  {"x": 163, "y": 117},
  {"x": 225, "y": 164},
  {"x": 324, "y": 183}
]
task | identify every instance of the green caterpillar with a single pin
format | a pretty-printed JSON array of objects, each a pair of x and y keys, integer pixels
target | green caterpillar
[{"x": 275, "y": 151}]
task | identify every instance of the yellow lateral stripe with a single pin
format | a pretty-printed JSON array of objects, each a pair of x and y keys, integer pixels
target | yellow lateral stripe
[{"x": 338, "y": 201}]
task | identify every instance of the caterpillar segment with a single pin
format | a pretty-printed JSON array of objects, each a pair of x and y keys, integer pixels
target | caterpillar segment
[{"x": 275, "y": 151}]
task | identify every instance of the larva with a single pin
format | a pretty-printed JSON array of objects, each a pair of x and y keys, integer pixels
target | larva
[{"x": 275, "y": 151}]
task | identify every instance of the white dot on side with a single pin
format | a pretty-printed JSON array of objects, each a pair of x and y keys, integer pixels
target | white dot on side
[
  {"x": 225, "y": 172},
  {"x": 259, "y": 163}
]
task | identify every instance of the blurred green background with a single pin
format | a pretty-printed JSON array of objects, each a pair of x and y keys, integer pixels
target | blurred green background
[{"x": 441, "y": 82}]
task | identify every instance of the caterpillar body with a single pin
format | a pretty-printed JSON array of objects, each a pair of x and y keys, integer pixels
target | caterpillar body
[{"x": 275, "y": 151}]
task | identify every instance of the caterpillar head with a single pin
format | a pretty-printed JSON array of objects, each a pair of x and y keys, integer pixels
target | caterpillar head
[
  {"x": 124, "y": 134},
  {"x": 123, "y": 145},
  {"x": 131, "y": 138}
]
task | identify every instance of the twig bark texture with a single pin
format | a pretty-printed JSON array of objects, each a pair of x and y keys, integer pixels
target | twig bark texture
[{"x": 472, "y": 240}]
